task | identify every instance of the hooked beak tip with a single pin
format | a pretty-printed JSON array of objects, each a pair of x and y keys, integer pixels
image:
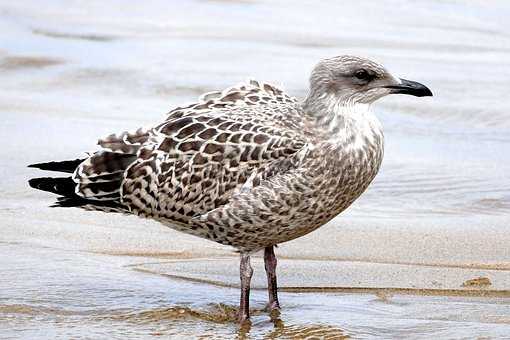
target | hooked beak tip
[{"x": 410, "y": 87}]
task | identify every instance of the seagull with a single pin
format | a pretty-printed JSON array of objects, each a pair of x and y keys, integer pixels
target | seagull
[{"x": 250, "y": 166}]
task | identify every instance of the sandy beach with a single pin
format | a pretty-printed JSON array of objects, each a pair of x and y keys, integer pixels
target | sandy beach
[{"x": 422, "y": 254}]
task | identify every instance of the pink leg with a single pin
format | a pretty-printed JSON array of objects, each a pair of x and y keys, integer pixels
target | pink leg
[
  {"x": 246, "y": 273},
  {"x": 270, "y": 264}
]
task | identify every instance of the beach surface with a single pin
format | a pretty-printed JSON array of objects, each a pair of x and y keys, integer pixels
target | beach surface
[{"x": 424, "y": 253}]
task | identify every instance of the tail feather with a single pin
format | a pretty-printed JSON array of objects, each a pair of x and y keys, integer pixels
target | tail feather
[
  {"x": 63, "y": 166},
  {"x": 63, "y": 186},
  {"x": 80, "y": 202},
  {"x": 94, "y": 186}
]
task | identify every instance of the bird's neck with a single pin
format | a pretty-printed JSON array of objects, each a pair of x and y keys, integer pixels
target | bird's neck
[{"x": 342, "y": 120}]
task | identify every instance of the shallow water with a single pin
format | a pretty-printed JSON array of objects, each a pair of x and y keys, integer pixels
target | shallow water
[
  {"x": 48, "y": 293},
  {"x": 74, "y": 72}
]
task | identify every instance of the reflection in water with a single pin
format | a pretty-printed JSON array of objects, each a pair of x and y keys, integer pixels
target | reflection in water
[
  {"x": 306, "y": 332},
  {"x": 226, "y": 315},
  {"x": 218, "y": 313}
]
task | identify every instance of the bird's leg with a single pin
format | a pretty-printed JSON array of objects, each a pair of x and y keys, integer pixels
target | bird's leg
[
  {"x": 246, "y": 273},
  {"x": 270, "y": 264}
]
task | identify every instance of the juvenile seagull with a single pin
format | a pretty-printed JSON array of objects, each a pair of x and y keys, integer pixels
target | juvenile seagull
[{"x": 249, "y": 167}]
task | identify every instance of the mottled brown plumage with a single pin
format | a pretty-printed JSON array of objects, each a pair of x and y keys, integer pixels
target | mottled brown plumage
[{"x": 249, "y": 166}]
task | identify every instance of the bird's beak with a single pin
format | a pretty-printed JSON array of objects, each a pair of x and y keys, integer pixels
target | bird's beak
[{"x": 410, "y": 87}]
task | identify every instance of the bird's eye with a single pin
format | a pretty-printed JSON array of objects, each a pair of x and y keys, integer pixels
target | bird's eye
[{"x": 362, "y": 74}]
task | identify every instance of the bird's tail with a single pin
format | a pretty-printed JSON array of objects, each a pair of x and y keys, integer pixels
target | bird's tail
[{"x": 65, "y": 187}]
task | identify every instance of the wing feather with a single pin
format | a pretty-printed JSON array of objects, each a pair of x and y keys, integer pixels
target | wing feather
[
  {"x": 195, "y": 160},
  {"x": 200, "y": 156}
]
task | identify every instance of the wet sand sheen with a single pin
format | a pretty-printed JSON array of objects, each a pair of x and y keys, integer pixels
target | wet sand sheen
[{"x": 346, "y": 276}]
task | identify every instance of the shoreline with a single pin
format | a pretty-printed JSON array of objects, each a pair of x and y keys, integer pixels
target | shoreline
[{"x": 378, "y": 291}]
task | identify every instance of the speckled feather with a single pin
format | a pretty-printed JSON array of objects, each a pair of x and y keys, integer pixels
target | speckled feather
[
  {"x": 245, "y": 167},
  {"x": 239, "y": 167}
]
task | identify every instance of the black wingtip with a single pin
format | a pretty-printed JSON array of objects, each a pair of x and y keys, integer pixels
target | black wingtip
[
  {"x": 39, "y": 183},
  {"x": 39, "y": 165},
  {"x": 58, "y": 185},
  {"x": 33, "y": 182},
  {"x": 62, "y": 166}
]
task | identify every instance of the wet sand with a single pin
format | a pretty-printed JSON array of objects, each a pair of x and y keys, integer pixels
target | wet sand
[
  {"x": 54, "y": 293},
  {"x": 422, "y": 254}
]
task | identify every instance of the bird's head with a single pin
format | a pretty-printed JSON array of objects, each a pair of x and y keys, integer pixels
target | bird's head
[{"x": 352, "y": 80}]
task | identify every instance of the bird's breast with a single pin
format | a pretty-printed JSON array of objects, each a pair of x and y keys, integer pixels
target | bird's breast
[{"x": 341, "y": 170}]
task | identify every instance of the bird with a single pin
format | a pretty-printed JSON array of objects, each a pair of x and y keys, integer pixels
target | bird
[{"x": 249, "y": 167}]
